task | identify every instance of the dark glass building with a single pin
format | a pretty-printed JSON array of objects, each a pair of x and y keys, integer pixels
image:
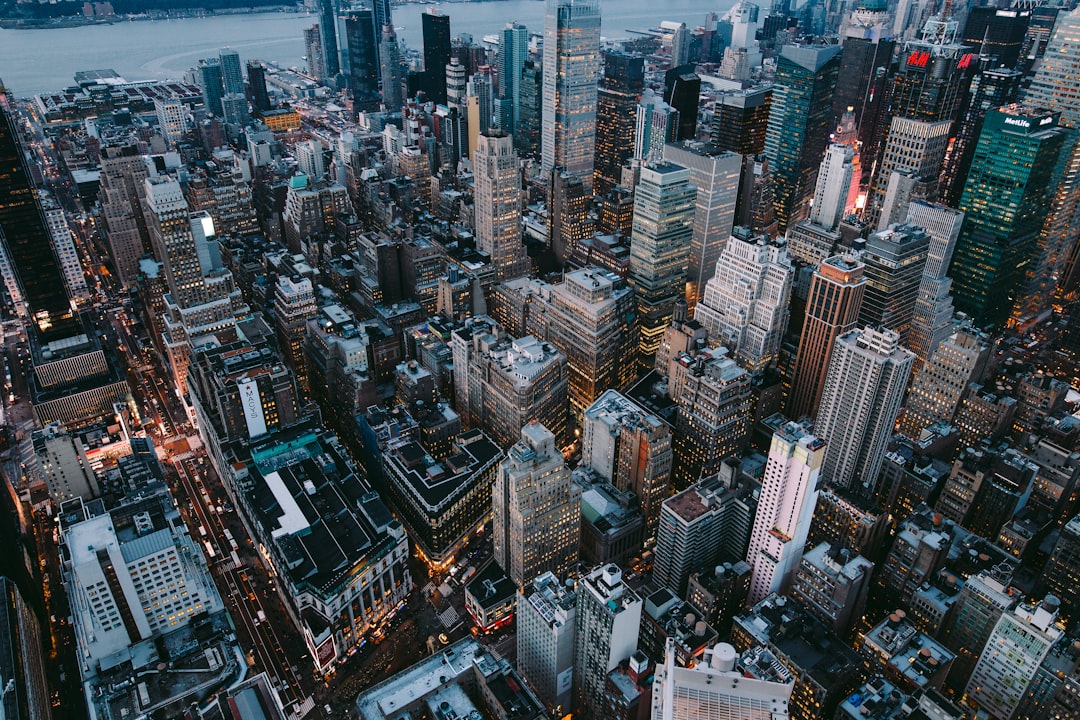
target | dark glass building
[
  {"x": 682, "y": 91},
  {"x": 616, "y": 116},
  {"x": 256, "y": 73},
  {"x": 740, "y": 119},
  {"x": 998, "y": 33},
  {"x": 360, "y": 58},
  {"x": 436, "y": 29}
]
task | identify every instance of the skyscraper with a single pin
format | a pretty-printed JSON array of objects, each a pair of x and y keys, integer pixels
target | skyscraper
[
  {"x": 568, "y": 214},
  {"x": 864, "y": 387},
  {"x": 657, "y": 124},
  {"x": 231, "y": 73},
  {"x": 716, "y": 174},
  {"x": 256, "y": 74},
  {"x": 931, "y": 321},
  {"x": 659, "y": 247},
  {"x": 996, "y": 32},
  {"x": 390, "y": 72},
  {"x": 212, "y": 82},
  {"x": 313, "y": 48},
  {"x": 513, "y": 52},
  {"x": 908, "y": 169},
  {"x": 360, "y": 59},
  {"x": 571, "y": 73},
  {"x": 800, "y": 119},
  {"x": 123, "y": 170},
  {"x": 608, "y": 616},
  {"x": 746, "y": 304},
  {"x": 832, "y": 309},
  {"x": 833, "y": 186},
  {"x": 894, "y": 260},
  {"x": 682, "y": 91},
  {"x": 498, "y": 203},
  {"x": 384, "y": 15},
  {"x": 546, "y": 624},
  {"x": 328, "y": 40},
  {"x": 436, "y": 30},
  {"x": 1010, "y": 190},
  {"x": 536, "y": 509},
  {"x": 616, "y": 116},
  {"x": 740, "y": 120},
  {"x": 786, "y": 507},
  {"x": 936, "y": 391}
]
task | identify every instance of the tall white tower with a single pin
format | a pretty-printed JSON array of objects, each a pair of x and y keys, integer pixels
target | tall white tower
[
  {"x": 833, "y": 186},
  {"x": 785, "y": 509},
  {"x": 498, "y": 203}
]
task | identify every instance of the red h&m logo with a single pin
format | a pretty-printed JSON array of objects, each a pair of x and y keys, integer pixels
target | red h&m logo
[
  {"x": 918, "y": 59},
  {"x": 965, "y": 61}
]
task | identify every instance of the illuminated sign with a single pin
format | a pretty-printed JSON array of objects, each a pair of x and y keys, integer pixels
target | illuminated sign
[
  {"x": 252, "y": 404},
  {"x": 918, "y": 59},
  {"x": 1017, "y": 122},
  {"x": 965, "y": 61},
  {"x": 325, "y": 653}
]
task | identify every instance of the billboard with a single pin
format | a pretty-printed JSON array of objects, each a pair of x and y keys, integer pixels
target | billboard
[{"x": 252, "y": 404}]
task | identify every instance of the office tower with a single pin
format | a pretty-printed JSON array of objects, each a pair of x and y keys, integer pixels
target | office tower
[
  {"x": 704, "y": 525},
  {"x": 932, "y": 318},
  {"x": 568, "y": 214},
  {"x": 390, "y": 72},
  {"x": 659, "y": 247},
  {"x": 657, "y": 125},
  {"x": 832, "y": 309},
  {"x": 513, "y": 52},
  {"x": 61, "y": 457},
  {"x": 123, "y": 170},
  {"x": 720, "y": 592},
  {"x": 501, "y": 384},
  {"x": 256, "y": 75},
  {"x": 713, "y": 395},
  {"x": 800, "y": 119},
  {"x": 908, "y": 169},
  {"x": 294, "y": 305},
  {"x": 60, "y": 237},
  {"x": 212, "y": 82},
  {"x": 234, "y": 109},
  {"x": 1013, "y": 653},
  {"x": 360, "y": 58},
  {"x": 26, "y": 240},
  {"x": 310, "y": 159},
  {"x": 328, "y": 40},
  {"x": 740, "y": 119},
  {"x": 313, "y": 47},
  {"x": 1062, "y": 570},
  {"x": 436, "y": 30},
  {"x": 864, "y": 69},
  {"x": 481, "y": 86},
  {"x": 590, "y": 318},
  {"x": 616, "y": 116},
  {"x": 498, "y": 204},
  {"x": 894, "y": 261},
  {"x": 629, "y": 448},
  {"x": 833, "y": 187},
  {"x": 384, "y": 15},
  {"x": 231, "y": 72},
  {"x": 456, "y": 83},
  {"x": 22, "y": 661},
  {"x": 746, "y": 304},
  {"x": 172, "y": 118},
  {"x": 608, "y": 616},
  {"x": 833, "y": 582},
  {"x": 571, "y": 72},
  {"x": 682, "y": 91},
  {"x": 785, "y": 509},
  {"x": 716, "y": 174},
  {"x": 680, "y": 45},
  {"x": 715, "y": 687},
  {"x": 1010, "y": 190},
  {"x": 546, "y": 624},
  {"x": 756, "y": 208},
  {"x": 864, "y": 387},
  {"x": 981, "y": 602},
  {"x": 527, "y": 136},
  {"x": 536, "y": 509},
  {"x": 991, "y": 88},
  {"x": 996, "y": 33},
  {"x": 940, "y": 384}
]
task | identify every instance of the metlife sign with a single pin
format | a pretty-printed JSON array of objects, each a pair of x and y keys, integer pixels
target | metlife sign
[{"x": 253, "y": 414}]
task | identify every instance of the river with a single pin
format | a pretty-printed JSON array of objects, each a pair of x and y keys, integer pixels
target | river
[{"x": 34, "y": 61}]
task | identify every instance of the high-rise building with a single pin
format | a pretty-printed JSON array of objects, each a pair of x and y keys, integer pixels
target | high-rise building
[
  {"x": 384, "y": 15},
  {"x": 546, "y": 624},
  {"x": 436, "y": 31},
  {"x": 713, "y": 395},
  {"x": 26, "y": 691},
  {"x": 981, "y": 602},
  {"x": 657, "y": 125},
  {"x": 716, "y": 174},
  {"x": 536, "y": 509},
  {"x": 894, "y": 259},
  {"x": 996, "y": 32},
  {"x": 682, "y": 91},
  {"x": 785, "y": 509},
  {"x": 608, "y": 616},
  {"x": 527, "y": 134},
  {"x": 940, "y": 384},
  {"x": 456, "y": 83},
  {"x": 481, "y": 86},
  {"x": 328, "y": 40},
  {"x": 833, "y": 582},
  {"x": 832, "y": 309},
  {"x": 864, "y": 388},
  {"x": 833, "y": 186},
  {"x": 715, "y": 687},
  {"x": 1013, "y": 653},
  {"x": 390, "y": 71},
  {"x": 498, "y": 203},
  {"x": 360, "y": 58},
  {"x": 123, "y": 170},
  {"x": 746, "y": 305},
  {"x": 256, "y": 76},
  {"x": 310, "y": 159},
  {"x": 932, "y": 318},
  {"x": 231, "y": 71},
  {"x": 513, "y": 52},
  {"x": 616, "y": 116},
  {"x": 568, "y": 214},
  {"x": 740, "y": 120},
  {"x": 571, "y": 73},
  {"x": 590, "y": 318},
  {"x": 800, "y": 119},
  {"x": 212, "y": 82},
  {"x": 659, "y": 247},
  {"x": 908, "y": 168},
  {"x": 629, "y": 448},
  {"x": 173, "y": 120},
  {"x": 294, "y": 305},
  {"x": 1063, "y": 568},
  {"x": 991, "y": 88},
  {"x": 1000, "y": 237}
]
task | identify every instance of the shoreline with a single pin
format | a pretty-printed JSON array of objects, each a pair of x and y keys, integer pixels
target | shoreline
[{"x": 74, "y": 21}]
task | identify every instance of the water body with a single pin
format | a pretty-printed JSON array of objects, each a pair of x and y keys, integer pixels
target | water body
[{"x": 34, "y": 61}]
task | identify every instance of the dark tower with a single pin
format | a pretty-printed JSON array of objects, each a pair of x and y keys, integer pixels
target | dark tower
[
  {"x": 616, "y": 116},
  {"x": 256, "y": 73},
  {"x": 682, "y": 91},
  {"x": 436, "y": 29}
]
